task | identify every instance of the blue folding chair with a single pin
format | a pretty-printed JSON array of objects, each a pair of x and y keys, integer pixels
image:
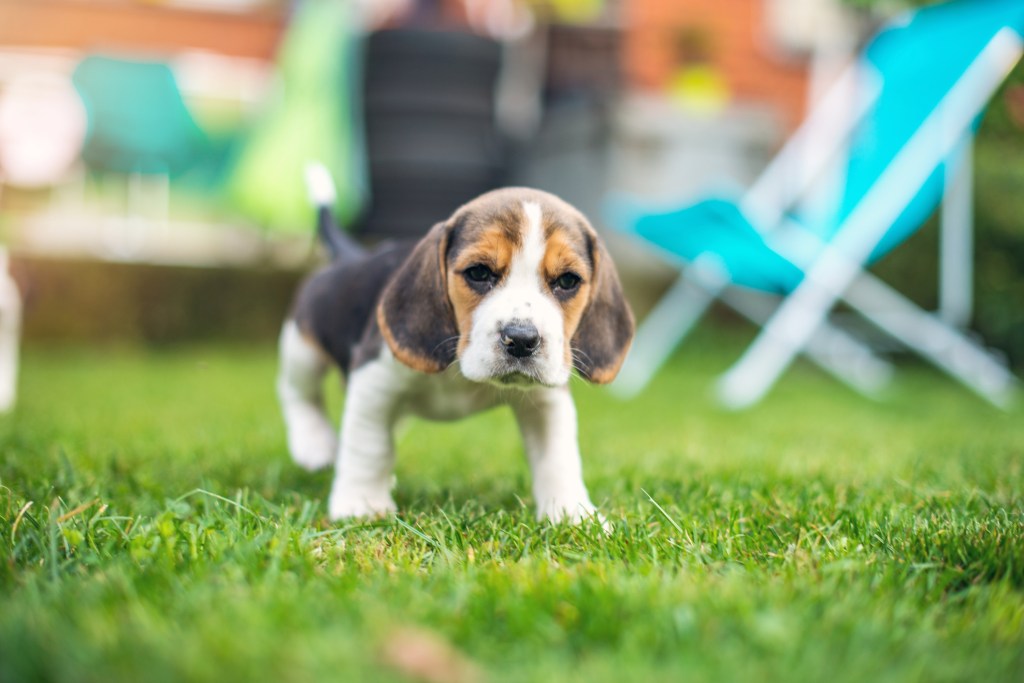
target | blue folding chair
[
  {"x": 138, "y": 121},
  {"x": 896, "y": 128}
]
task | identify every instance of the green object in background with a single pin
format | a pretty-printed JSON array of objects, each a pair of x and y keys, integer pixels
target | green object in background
[
  {"x": 314, "y": 116},
  {"x": 138, "y": 122},
  {"x": 577, "y": 11},
  {"x": 701, "y": 89}
]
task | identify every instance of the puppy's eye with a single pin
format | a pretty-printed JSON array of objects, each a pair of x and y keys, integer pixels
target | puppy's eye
[
  {"x": 480, "y": 274},
  {"x": 567, "y": 281}
]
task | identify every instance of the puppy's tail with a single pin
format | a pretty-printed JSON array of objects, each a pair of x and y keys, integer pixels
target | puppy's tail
[{"x": 322, "y": 195}]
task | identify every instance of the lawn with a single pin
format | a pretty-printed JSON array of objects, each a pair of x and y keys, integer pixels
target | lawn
[{"x": 153, "y": 528}]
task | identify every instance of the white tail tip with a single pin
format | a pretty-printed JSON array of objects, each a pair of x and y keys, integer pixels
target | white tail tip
[{"x": 320, "y": 185}]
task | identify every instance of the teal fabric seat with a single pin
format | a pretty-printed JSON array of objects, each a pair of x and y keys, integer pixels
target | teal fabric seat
[{"x": 138, "y": 121}]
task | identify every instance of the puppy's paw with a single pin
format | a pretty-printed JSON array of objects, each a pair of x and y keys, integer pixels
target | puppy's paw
[
  {"x": 313, "y": 443},
  {"x": 572, "y": 511},
  {"x": 360, "y": 502}
]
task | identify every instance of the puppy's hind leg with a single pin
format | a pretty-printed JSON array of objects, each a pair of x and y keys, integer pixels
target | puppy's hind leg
[{"x": 312, "y": 440}]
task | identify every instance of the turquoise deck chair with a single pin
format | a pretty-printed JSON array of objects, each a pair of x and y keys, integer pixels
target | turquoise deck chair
[
  {"x": 910, "y": 102},
  {"x": 138, "y": 121}
]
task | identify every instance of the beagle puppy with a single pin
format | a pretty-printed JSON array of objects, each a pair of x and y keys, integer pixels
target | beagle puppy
[{"x": 496, "y": 305}]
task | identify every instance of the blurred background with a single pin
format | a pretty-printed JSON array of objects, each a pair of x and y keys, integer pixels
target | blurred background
[{"x": 151, "y": 151}]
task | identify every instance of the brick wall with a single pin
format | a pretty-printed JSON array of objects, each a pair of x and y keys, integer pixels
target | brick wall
[{"x": 730, "y": 34}]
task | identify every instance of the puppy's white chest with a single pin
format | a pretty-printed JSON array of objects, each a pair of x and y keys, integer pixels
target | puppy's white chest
[
  {"x": 442, "y": 396},
  {"x": 448, "y": 396}
]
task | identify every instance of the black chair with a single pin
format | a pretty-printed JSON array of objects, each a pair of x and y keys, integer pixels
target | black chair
[{"x": 431, "y": 138}]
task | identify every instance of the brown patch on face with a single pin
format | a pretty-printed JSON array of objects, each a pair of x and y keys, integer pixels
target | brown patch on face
[
  {"x": 490, "y": 246},
  {"x": 496, "y": 213},
  {"x": 598, "y": 320},
  {"x": 606, "y": 329},
  {"x": 565, "y": 253}
]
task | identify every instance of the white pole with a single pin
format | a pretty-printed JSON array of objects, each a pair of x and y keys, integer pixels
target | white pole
[
  {"x": 956, "y": 247},
  {"x": 10, "y": 331}
]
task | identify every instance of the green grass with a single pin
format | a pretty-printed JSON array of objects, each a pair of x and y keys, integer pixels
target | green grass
[{"x": 152, "y": 528}]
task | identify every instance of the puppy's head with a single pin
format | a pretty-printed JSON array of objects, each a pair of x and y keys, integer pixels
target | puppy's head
[{"x": 515, "y": 285}]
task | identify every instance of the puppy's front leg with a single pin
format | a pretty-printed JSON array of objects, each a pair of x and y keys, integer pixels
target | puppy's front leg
[
  {"x": 547, "y": 420},
  {"x": 363, "y": 471}
]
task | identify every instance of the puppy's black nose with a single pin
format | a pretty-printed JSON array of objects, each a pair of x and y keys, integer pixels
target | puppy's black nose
[{"x": 520, "y": 339}]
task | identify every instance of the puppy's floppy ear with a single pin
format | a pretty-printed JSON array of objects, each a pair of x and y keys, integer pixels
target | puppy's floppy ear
[
  {"x": 606, "y": 328},
  {"x": 414, "y": 315}
]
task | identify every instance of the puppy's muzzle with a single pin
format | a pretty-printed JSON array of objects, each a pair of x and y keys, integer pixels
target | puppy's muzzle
[{"x": 520, "y": 339}]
